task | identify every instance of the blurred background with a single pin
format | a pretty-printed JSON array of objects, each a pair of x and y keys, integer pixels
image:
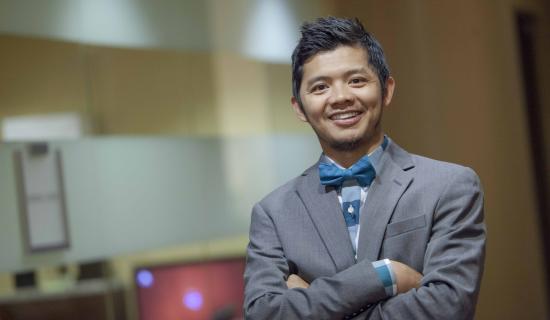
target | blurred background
[{"x": 137, "y": 135}]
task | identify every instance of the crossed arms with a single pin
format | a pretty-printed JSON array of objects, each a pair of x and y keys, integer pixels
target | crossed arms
[{"x": 448, "y": 289}]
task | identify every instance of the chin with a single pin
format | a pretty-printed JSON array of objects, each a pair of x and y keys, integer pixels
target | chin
[{"x": 346, "y": 145}]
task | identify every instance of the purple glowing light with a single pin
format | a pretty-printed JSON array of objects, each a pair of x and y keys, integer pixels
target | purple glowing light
[
  {"x": 145, "y": 278},
  {"x": 193, "y": 300}
]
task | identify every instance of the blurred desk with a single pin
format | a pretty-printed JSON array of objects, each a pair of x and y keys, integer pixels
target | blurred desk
[{"x": 90, "y": 299}]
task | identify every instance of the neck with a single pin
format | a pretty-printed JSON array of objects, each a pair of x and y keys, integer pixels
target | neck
[{"x": 346, "y": 158}]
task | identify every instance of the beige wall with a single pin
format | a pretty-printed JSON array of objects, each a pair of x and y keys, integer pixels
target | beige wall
[
  {"x": 40, "y": 76},
  {"x": 140, "y": 91},
  {"x": 150, "y": 91}
]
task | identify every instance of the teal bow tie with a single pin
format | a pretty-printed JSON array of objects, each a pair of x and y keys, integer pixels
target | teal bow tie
[{"x": 362, "y": 171}]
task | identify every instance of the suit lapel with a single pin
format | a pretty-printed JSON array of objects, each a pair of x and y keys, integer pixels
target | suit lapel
[
  {"x": 323, "y": 207},
  {"x": 388, "y": 187}
]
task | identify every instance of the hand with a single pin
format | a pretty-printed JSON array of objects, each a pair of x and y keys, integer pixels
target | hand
[
  {"x": 294, "y": 281},
  {"x": 406, "y": 277}
]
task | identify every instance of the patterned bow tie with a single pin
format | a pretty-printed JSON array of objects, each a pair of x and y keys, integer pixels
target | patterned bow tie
[{"x": 362, "y": 171}]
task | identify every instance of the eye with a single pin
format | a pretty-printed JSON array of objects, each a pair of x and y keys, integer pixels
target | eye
[
  {"x": 319, "y": 88},
  {"x": 358, "y": 81}
]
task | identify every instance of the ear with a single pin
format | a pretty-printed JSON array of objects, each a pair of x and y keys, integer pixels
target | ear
[
  {"x": 390, "y": 87},
  {"x": 298, "y": 109}
]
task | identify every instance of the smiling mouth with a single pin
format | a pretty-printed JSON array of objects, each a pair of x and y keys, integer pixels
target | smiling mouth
[{"x": 345, "y": 116}]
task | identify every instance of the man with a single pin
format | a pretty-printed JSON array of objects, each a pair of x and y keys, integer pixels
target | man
[{"x": 370, "y": 231}]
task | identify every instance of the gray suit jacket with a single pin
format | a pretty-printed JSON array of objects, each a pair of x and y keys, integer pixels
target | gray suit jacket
[{"x": 425, "y": 213}]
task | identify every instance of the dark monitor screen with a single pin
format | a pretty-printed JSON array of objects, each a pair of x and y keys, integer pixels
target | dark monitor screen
[{"x": 202, "y": 290}]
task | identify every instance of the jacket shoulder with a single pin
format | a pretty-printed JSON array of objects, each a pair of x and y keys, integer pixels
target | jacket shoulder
[{"x": 442, "y": 170}]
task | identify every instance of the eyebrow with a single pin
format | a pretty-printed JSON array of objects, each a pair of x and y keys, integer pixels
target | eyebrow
[
  {"x": 346, "y": 74},
  {"x": 356, "y": 70},
  {"x": 313, "y": 80}
]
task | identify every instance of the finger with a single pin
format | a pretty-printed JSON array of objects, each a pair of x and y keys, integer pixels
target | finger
[{"x": 294, "y": 281}]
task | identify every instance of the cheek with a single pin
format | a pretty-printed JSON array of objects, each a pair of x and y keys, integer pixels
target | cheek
[
  {"x": 371, "y": 97},
  {"x": 372, "y": 102},
  {"x": 313, "y": 108}
]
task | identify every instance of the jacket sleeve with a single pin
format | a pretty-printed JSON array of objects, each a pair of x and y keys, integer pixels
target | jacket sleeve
[
  {"x": 266, "y": 292},
  {"x": 453, "y": 262}
]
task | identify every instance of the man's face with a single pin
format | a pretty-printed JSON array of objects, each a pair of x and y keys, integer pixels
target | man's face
[{"x": 342, "y": 99}]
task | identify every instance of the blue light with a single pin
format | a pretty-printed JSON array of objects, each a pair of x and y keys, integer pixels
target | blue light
[
  {"x": 193, "y": 300},
  {"x": 145, "y": 278}
]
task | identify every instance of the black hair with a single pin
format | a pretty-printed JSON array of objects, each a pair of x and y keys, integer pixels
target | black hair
[{"x": 326, "y": 34}]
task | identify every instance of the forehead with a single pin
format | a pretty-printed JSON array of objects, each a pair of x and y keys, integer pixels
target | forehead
[{"x": 333, "y": 62}]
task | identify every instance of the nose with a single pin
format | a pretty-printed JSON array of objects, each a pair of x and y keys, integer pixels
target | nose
[{"x": 341, "y": 96}]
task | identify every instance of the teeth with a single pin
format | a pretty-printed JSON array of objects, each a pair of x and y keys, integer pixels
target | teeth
[{"x": 342, "y": 116}]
